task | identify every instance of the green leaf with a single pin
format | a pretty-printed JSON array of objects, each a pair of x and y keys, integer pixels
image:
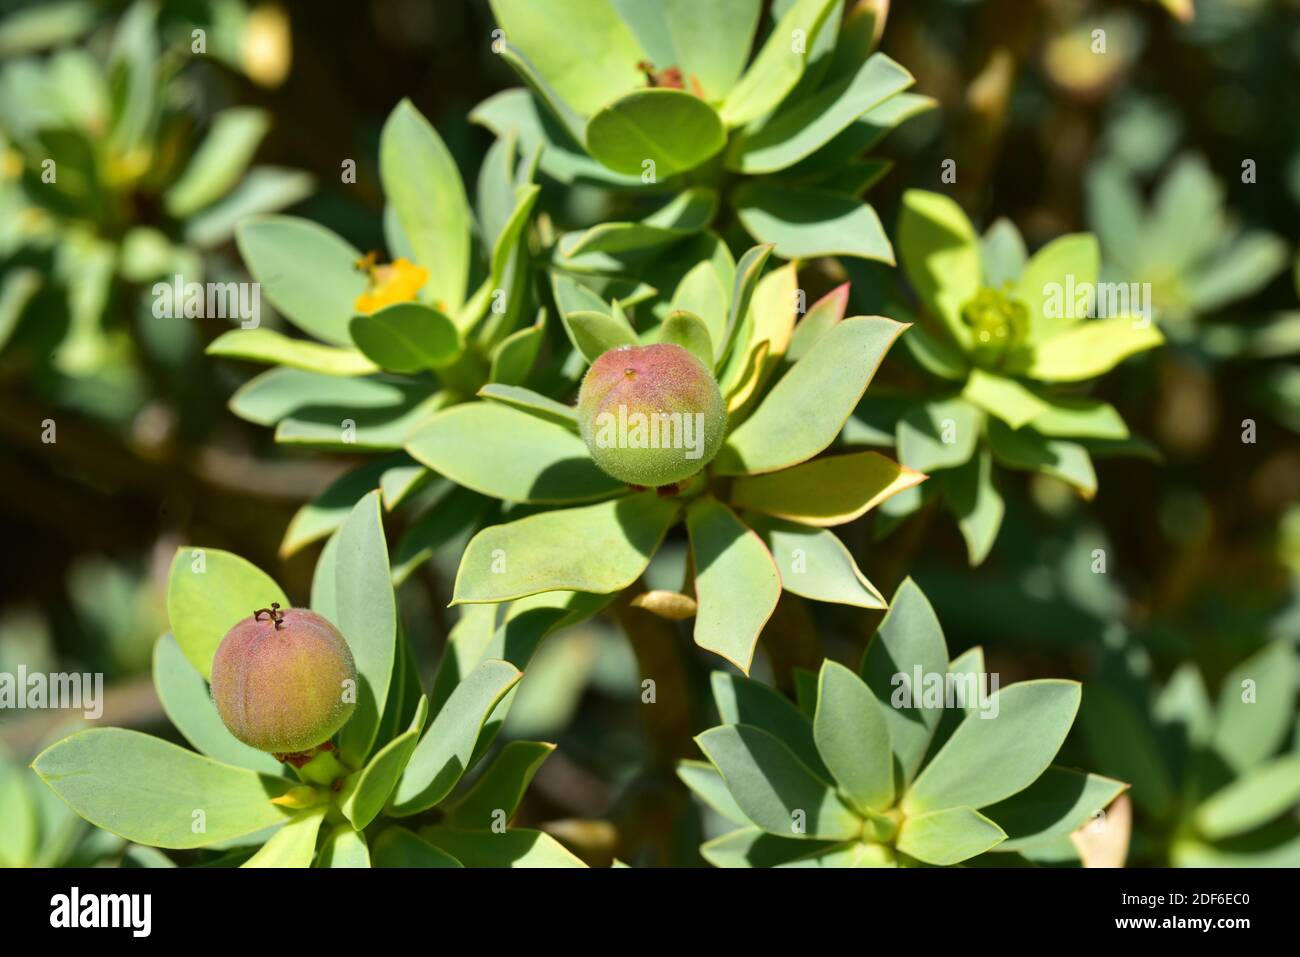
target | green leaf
[
  {"x": 909, "y": 637},
  {"x": 774, "y": 788},
  {"x": 558, "y": 137},
  {"x": 1186, "y": 215},
  {"x": 272, "y": 396},
  {"x": 987, "y": 760},
  {"x": 516, "y": 847},
  {"x": 938, "y": 435},
  {"x": 1028, "y": 451},
  {"x": 808, "y": 223},
  {"x": 218, "y": 163},
  {"x": 1005, "y": 398},
  {"x": 266, "y": 345},
  {"x": 706, "y": 783},
  {"x": 428, "y": 199},
  {"x": 344, "y": 847},
  {"x": 803, "y": 126},
  {"x": 264, "y": 190},
  {"x": 814, "y": 563},
  {"x": 1238, "y": 271},
  {"x": 848, "y": 854},
  {"x": 366, "y": 615},
  {"x": 294, "y": 845},
  {"x": 406, "y": 337},
  {"x": 498, "y": 791},
  {"x": 398, "y": 847},
  {"x": 824, "y": 314},
  {"x": 688, "y": 331},
  {"x": 975, "y": 501},
  {"x": 708, "y": 42},
  {"x": 152, "y": 792},
  {"x": 736, "y": 582},
  {"x": 778, "y": 66},
  {"x": 21, "y": 833},
  {"x": 563, "y": 126},
  {"x": 508, "y": 454},
  {"x": 367, "y": 792},
  {"x": 1002, "y": 250},
  {"x": 595, "y": 333},
  {"x": 1126, "y": 745},
  {"x": 321, "y": 516},
  {"x": 853, "y": 738},
  {"x": 1090, "y": 348},
  {"x": 948, "y": 837},
  {"x": 208, "y": 592},
  {"x": 443, "y": 754},
  {"x": 533, "y": 403},
  {"x": 804, "y": 412},
  {"x": 495, "y": 191},
  {"x": 1074, "y": 259},
  {"x": 1260, "y": 795},
  {"x": 1079, "y": 417},
  {"x": 360, "y": 415},
  {"x": 941, "y": 257},
  {"x": 745, "y": 282},
  {"x": 672, "y": 129},
  {"x": 306, "y": 271},
  {"x": 515, "y": 355},
  {"x": 832, "y": 490},
  {"x": 690, "y": 211},
  {"x": 509, "y": 276},
  {"x": 187, "y": 702},
  {"x": 1061, "y": 801},
  {"x": 580, "y": 47},
  {"x": 447, "y": 522},
  {"x": 325, "y": 512},
  {"x": 599, "y": 548},
  {"x": 133, "y": 65},
  {"x": 752, "y": 847},
  {"x": 701, "y": 293},
  {"x": 745, "y": 701},
  {"x": 1256, "y": 707}
]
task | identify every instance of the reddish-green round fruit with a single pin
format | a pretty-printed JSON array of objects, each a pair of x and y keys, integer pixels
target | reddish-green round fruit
[
  {"x": 651, "y": 415},
  {"x": 284, "y": 681}
]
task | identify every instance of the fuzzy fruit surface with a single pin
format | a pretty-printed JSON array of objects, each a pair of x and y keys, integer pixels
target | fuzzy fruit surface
[
  {"x": 284, "y": 681},
  {"x": 651, "y": 415}
]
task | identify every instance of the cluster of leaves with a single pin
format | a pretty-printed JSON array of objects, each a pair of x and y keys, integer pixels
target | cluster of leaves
[
  {"x": 663, "y": 102},
  {"x": 854, "y": 776},
  {"x": 106, "y": 189},
  {"x": 393, "y": 793},
  {"x": 1214, "y": 782},
  {"x": 454, "y": 359},
  {"x": 1011, "y": 344},
  {"x": 1186, "y": 245}
]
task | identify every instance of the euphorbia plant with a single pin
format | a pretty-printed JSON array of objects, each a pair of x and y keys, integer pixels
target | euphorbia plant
[
  {"x": 1010, "y": 343},
  {"x": 398, "y": 336},
  {"x": 1186, "y": 244},
  {"x": 383, "y": 791},
  {"x": 913, "y": 760},
  {"x": 757, "y": 515},
  {"x": 1214, "y": 783},
  {"x": 108, "y": 189},
  {"x": 668, "y": 100}
]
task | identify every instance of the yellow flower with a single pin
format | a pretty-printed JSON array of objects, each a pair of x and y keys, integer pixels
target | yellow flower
[{"x": 399, "y": 281}]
